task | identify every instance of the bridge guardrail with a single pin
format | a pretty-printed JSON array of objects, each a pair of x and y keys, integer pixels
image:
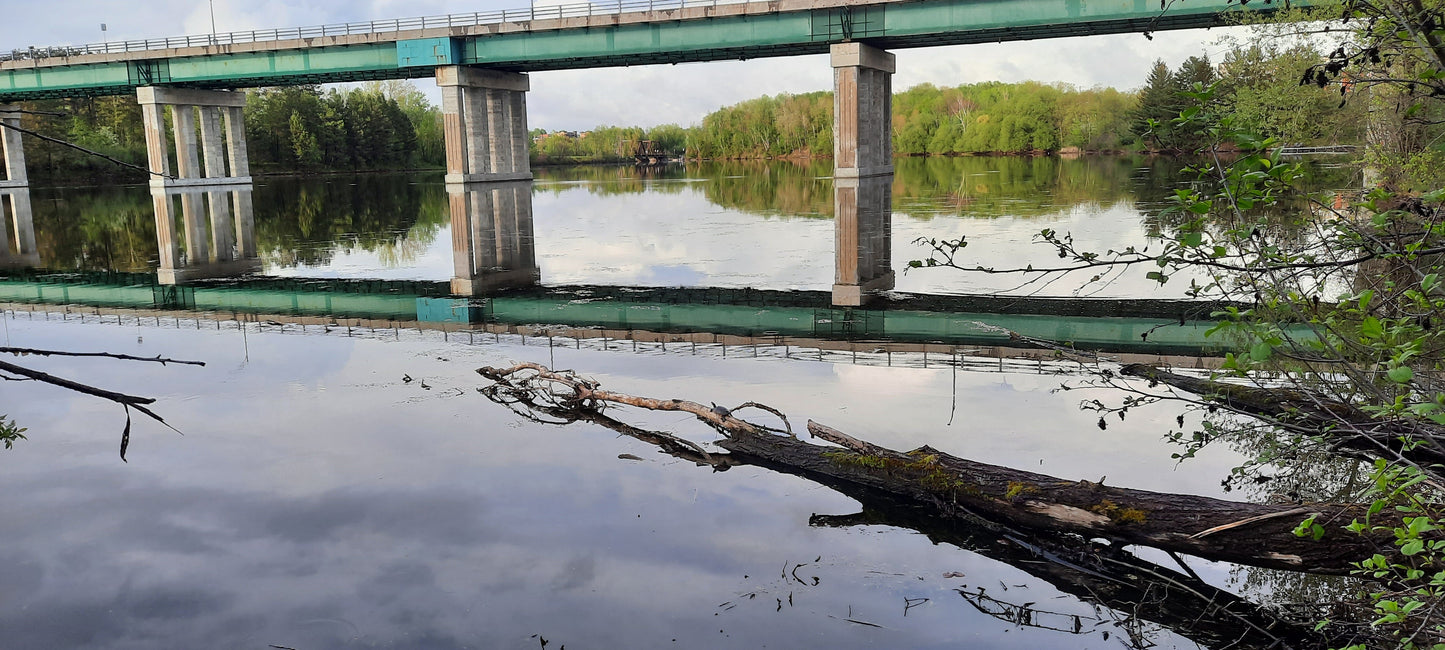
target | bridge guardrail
[{"x": 535, "y": 12}]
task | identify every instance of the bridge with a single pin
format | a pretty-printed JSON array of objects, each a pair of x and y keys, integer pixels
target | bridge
[
  {"x": 208, "y": 263},
  {"x": 481, "y": 62},
  {"x": 978, "y": 325},
  {"x": 569, "y": 36}
]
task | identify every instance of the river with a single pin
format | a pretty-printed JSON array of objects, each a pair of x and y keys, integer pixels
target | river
[{"x": 348, "y": 487}]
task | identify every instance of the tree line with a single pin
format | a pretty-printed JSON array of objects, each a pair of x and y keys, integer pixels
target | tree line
[
  {"x": 380, "y": 125},
  {"x": 1257, "y": 83},
  {"x": 392, "y": 125}
]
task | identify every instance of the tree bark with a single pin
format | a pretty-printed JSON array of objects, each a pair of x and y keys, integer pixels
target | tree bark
[
  {"x": 1098, "y": 573},
  {"x": 956, "y": 488}
]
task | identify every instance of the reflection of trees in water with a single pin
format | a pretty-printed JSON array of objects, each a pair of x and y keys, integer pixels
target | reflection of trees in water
[
  {"x": 780, "y": 188},
  {"x": 1290, "y": 470},
  {"x": 1155, "y": 178},
  {"x": 967, "y": 186},
  {"x": 99, "y": 229},
  {"x": 612, "y": 180},
  {"x": 923, "y": 187},
  {"x": 1288, "y": 221},
  {"x": 307, "y": 222},
  {"x": 1007, "y": 186}
]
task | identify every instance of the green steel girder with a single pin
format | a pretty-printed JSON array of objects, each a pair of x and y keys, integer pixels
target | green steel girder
[
  {"x": 719, "y": 311},
  {"x": 894, "y": 25}
]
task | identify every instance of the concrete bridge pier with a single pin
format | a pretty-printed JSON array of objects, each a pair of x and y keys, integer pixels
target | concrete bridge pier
[
  {"x": 484, "y": 117},
  {"x": 10, "y": 147},
  {"x": 862, "y": 172},
  {"x": 863, "y": 238},
  {"x": 493, "y": 246},
  {"x": 224, "y": 157},
  {"x": 15, "y": 212},
  {"x": 217, "y": 229}
]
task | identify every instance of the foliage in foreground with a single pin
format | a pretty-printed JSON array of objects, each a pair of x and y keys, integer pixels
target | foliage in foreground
[
  {"x": 10, "y": 432},
  {"x": 1342, "y": 301}
]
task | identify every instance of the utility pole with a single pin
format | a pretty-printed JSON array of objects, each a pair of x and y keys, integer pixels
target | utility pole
[{"x": 213, "y": 21}]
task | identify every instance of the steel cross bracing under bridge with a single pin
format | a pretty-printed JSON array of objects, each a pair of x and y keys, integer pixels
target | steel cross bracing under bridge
[{"x": 568, "y": 36}]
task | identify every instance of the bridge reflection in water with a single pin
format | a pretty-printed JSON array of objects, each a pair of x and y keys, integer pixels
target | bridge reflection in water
[
  {"x": 219, "y": 232},
  {"x": 208, "y": 232},
  {"x": 208, "y": 259},
  {"x": 493, "y": 246},
  {"x": 17, "y": 229}
]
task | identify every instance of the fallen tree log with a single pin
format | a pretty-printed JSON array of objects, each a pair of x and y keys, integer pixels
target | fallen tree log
[
  {"x": 1105, "y": 574},
  {"x": 1345, "y": 425},
  {"x": 1243, "y": 533}
]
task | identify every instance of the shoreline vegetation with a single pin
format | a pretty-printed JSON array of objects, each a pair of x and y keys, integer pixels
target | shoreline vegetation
[{"x": 391, "y": 126}]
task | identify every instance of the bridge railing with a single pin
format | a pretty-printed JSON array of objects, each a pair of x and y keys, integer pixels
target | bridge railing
[{"x": 535, "y": 12}]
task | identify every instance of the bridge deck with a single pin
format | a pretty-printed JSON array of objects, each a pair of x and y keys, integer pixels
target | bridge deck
[
  {"x": 713, "y": 31},
  {"x": 1172, "y": 327}
]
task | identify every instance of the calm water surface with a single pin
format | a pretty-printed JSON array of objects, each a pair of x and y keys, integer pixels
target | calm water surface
[
  {"x": 717, "y": 224},
  {"x": 338, "y": 489}
]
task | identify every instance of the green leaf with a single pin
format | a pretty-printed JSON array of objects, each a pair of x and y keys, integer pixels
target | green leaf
[
  {"x": 1261, "y": 351},
  {"x": 1401, "y": 374},
  {"x": 1371, "y": 328},
  {"x": 1413, "y": 547}
]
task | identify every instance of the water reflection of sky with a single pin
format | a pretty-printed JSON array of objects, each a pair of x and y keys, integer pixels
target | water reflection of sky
[{"x": 316, "y": 500}]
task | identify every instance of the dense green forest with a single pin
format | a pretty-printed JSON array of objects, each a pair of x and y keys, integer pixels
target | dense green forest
[
  {"x": 381, "y": 125},
  {"x": 1258, "y": 84},
  {"x": 391, "y": 125}
]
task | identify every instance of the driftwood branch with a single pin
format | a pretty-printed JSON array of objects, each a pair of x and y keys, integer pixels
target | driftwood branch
[
  {"x": 128, "y": 402},
  {"x": 957, "y": 488},
  {"x": 110, "y": 355},
  {"x": 118, "y": 398}
]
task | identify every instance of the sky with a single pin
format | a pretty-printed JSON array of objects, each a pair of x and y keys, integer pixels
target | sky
[{"x": 642, "y": 95}]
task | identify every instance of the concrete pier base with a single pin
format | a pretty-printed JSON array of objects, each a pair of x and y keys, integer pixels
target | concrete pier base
[
  {"x": 221, "y": 147},
  {"x": 13, "y": 166},
  {"x": 216, "y": 226},
  {"x": 492, "y": 241},
  {"x": 17, "y": 229},
  {"x": 484, "y": 118},
  {"x": 863, "y": 238}
]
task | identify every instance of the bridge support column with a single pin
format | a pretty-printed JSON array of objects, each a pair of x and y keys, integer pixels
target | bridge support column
[
  {"x": 217, "y": 229},
  {"x": 10, "y": 147},
  {"x": 22, "y": 228},
  {"x": 215, "y": 151},
  {"x": 863, "y": 238},
  {"x": 484, "y": 117},
  {"x": 862, "y": 110},
  {"x": 862, "y": 172},
  {"x": 492, "y": 241}
]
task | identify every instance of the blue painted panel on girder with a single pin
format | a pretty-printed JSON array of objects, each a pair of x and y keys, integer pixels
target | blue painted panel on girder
[
  {"x": 447, "y": 310},
  {"x": 428, "y": 52}
]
